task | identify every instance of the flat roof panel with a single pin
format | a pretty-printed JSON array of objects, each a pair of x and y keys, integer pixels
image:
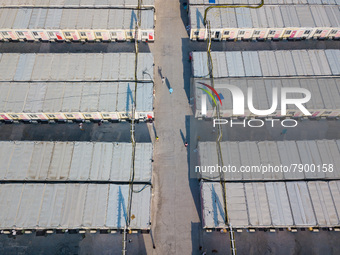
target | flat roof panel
[
  {"x": 334, "y": 187},
  {"x": 145, "y": 97},
  {"x": 20, "y": 159},
  {"x": 212, "y": 205},
  {"x": 108, "y": 97},
  {"x": 40, "y": 161},
  {"x": 279, "y": 204},
  {"x": 24, "y": 67},
  {"x": 251, "y": 63},
  {"x": 236, "y": 204},
  {"x": 333, "y": 57},
  {"x": 54, "y": 96},
  {"x": 235, "y": 64},
  {"x": 101, "y": 162},
  {"x": 96, "y": 200},
  {"x": 257, "y": 204},
  {"x": 323, "y": 205},
  {"x": 35, "y": 97},
  {"x": 81, "y": 161},
  {"x": 300, "y": 203}
]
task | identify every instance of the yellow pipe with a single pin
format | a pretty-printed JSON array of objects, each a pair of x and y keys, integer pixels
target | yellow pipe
[{"x": 230, "y": 6}]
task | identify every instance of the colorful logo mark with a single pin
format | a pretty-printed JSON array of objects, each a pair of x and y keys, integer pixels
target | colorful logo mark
[{"x": 208, "y": 92}]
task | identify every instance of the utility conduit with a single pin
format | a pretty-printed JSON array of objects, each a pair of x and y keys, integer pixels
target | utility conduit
[{"x": 219, "y": 133}]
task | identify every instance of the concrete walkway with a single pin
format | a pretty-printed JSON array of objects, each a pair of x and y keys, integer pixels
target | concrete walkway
[{"x": 174, "y": 213}]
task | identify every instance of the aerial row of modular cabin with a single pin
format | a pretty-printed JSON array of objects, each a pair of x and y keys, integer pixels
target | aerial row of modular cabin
[
  {"x": 76, "y": 20},
  {"x": 270, "y": 22},
  {"x": 76, "y": 87},
  {"x": 78, "y": 186},
  {"x": 266, "y": 74}
]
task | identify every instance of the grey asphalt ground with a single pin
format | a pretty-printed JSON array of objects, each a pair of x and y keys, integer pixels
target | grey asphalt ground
[
  {"x": 63, "y": 47},
  {"x": 70, "y": 244},
  {"x": 107, "y": 132},
  {"x": 305, "y": 130},
  {"x": 203, "y": 130},
  {"x": 176, "y": 226},
  {"x": 279, "y": 243},
  {"x": 105, "y": 47}
]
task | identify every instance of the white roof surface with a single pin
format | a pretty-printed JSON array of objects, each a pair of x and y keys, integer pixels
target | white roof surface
[
  {"x": 74, "y": 161},
  {"x": 269, "y": 2},
  {"x": 75, "y": 3},
  {"x": 75, "y": 67},
  {"x": 274, "y": 153},
  {"x": 278, "y": 16},
  {"x": 72, "y": 206},
  {"x": 268, "y": 63},
  {"x": 72, "y": 19},
  {"x": 55, "y": 97},
  {"x": 325, "y": 92},
  {"x": 272, "y": 204}
]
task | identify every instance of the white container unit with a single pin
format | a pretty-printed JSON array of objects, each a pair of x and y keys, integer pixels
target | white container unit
[
  {"x": 7, "y": 18},
  {"x": 260, "y": 23},
  {"x": 325, "y": 100},
  {"x": 310, "y": 2},
  {"x": 73, "y": 206},
  {"x": 53, "y": 24},
  {"x": 269, "y": 2},
  {"x": 76, "y": 3},
  {"x": 68, "y": 24},
  {"x": 274, "y": 22},
  {"x": 77, "y": 86},
  {"x": 31, "y": 24},
  {"x": 22, "y": 22},
  {"x": 244, "y": 23},
  {"x": 321, "y": 18},
  {"x": 267, "y": 63},
  {"x": 298, "y": 22},
  {"x": 333, "y": 14},
  {"x": 41, "y": 21},
  {"x": 78, "y": 101},
  {"x": 75, "y": 67},
  {"x": 273, "y": 153},
  {"x": 271, "y": 204},
  {"x": 74, "y": 161}
]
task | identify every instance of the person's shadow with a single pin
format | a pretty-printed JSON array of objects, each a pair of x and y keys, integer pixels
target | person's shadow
[
  {"x": 182, "y": 136},
  {"x": 160, "y": 72},
  {"x": 154, "y": 129},
  {"x": 167, "y": 83}
]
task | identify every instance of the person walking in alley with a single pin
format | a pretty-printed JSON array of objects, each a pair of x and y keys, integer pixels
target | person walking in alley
[
  {"x": 81, "y": 126},
  {"x": 171, "y": 90}
]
